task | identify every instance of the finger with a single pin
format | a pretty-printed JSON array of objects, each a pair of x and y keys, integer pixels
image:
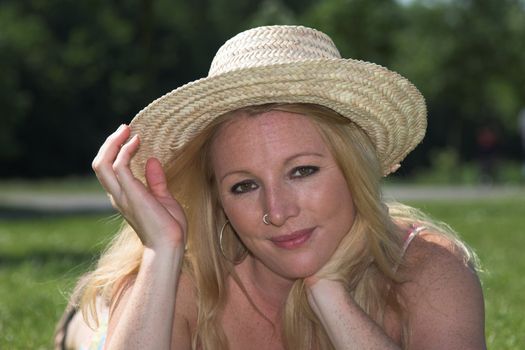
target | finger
[
  {"x": 156, "y": 179},
  {"x": 102, "y": 164},
  {"x": 121, "y": 168}
]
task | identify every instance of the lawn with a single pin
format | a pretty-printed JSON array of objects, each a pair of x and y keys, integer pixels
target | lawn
[{"x": 40, "y": 259}]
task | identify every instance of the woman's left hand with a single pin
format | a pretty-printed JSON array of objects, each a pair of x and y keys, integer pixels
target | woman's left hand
[
  {"x": 347, "y": 325},
  {"x": 439, "y": 280}
]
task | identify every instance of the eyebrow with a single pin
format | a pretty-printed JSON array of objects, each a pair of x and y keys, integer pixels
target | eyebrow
[{"x": 286, "y": 161}]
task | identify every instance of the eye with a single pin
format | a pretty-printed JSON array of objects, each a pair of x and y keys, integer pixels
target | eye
[
  {"x": 303, "y": 171},
  {"x": 243, "y": 187}
]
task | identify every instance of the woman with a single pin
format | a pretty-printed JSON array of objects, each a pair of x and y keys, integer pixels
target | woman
[{"x": 254, "y": 217}]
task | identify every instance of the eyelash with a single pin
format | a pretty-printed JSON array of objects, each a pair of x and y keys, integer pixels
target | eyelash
[
  {"x": 249, "y": 185},
  {"x": 236, "y": 189},
  {"x": 309, "y": 168}
]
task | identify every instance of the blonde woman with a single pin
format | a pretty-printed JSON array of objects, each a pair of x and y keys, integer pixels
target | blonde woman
[{"x": 254, "y": 216}]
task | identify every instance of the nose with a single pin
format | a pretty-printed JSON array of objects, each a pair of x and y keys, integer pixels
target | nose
[{"x": 280, "y": 202}]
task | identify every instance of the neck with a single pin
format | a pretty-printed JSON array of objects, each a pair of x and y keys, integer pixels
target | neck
[{"x": 265, "y": 286}]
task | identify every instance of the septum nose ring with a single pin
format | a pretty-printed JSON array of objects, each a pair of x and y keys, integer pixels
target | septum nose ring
[{"x": 266, "y": 219}]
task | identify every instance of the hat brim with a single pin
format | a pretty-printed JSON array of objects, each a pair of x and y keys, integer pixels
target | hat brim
[{"x": 383, "y": 103}]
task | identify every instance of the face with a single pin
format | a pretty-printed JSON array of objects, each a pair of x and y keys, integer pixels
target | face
[{"x": 278, "y": 163}]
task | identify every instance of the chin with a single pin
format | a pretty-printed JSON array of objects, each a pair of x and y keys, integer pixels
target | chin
[{"x": 300, "y": 269}]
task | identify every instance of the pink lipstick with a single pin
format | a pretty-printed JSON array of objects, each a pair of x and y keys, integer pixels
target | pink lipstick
[{"x": 293, "y": 240}]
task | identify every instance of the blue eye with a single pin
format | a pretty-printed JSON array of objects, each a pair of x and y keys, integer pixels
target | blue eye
[
  {"x": 243, "y": 187},
  {"x": 303, "y": 171}
]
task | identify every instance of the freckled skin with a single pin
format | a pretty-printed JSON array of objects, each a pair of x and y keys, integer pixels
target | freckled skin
[
  {"x": 277, "y": 163},
  {"x": 265, "y": 151}
]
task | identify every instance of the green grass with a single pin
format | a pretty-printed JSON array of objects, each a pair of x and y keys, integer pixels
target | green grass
[
  {"x": 40, "y": 259},
  {"x": 69, "y": 185}
]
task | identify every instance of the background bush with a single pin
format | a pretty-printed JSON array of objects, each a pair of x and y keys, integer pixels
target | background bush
[{"x": 72, "y": 71}]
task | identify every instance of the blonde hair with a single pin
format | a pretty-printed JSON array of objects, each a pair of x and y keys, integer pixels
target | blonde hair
[{"x": 365, "y": 261}]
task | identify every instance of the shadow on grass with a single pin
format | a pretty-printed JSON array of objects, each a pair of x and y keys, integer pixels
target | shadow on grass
[
  {"x": 46, "y": 258},
  {"x": 11, "y": 212}
]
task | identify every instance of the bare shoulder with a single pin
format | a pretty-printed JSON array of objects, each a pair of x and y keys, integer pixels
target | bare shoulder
[
  {"x": 429, "y": 248},
  {"x": 443, "y": 295}
]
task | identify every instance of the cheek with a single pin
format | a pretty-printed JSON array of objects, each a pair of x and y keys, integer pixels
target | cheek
[
  {"x": 242, "y": 213},
  {"x": 333, "y": 197},
  {"x": 335, "y": 209}
]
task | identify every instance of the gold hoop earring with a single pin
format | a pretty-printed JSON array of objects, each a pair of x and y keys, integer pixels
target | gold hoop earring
[
  {"x": 221, "y": 249},
  {"x": 220, "y": 237}
]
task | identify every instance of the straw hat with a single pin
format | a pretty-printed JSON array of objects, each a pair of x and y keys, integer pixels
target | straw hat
[{"x": 286, "y": 64}]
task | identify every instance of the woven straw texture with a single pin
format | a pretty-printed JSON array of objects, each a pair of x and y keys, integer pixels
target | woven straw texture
[{"x": 286, "y": 64}]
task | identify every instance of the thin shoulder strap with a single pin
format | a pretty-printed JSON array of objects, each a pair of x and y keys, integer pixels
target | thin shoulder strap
[{"x": 414, "y": 232}]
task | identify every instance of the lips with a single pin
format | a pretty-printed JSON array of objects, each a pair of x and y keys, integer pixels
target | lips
[{"x": 293, "y": 240}]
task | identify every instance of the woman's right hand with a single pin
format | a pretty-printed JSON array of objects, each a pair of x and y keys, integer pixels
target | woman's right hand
[{"x": 152, "y": 211}]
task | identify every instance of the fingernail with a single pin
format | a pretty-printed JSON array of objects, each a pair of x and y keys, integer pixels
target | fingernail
[{"x": 121, "y": 127}]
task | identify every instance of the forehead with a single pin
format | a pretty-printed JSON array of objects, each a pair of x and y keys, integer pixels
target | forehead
[
  {"x": 273, "y": 130},
  {"x": 259, "y": 143}
]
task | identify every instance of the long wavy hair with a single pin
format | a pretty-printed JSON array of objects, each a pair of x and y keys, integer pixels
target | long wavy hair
[{"x": 365, "y": 261}]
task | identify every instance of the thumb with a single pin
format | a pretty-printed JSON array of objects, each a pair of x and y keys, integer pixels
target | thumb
[{"x": 156, "y": 178}]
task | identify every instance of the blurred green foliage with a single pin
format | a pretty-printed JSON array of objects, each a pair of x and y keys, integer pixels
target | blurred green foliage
[{"x": 72, "y": 71}]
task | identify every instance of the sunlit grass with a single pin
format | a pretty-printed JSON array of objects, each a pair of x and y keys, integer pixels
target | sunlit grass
[
  {"x": 70, "y": 185},
  {"x": 39, "y": 261},
  {"x": 41, "y": 258}
]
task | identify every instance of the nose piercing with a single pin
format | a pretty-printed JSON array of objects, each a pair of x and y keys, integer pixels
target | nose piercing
[{"x": 266, "y": 219}]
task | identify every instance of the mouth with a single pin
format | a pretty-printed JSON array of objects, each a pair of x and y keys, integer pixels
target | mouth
[{"x": 293, "y": 240}]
